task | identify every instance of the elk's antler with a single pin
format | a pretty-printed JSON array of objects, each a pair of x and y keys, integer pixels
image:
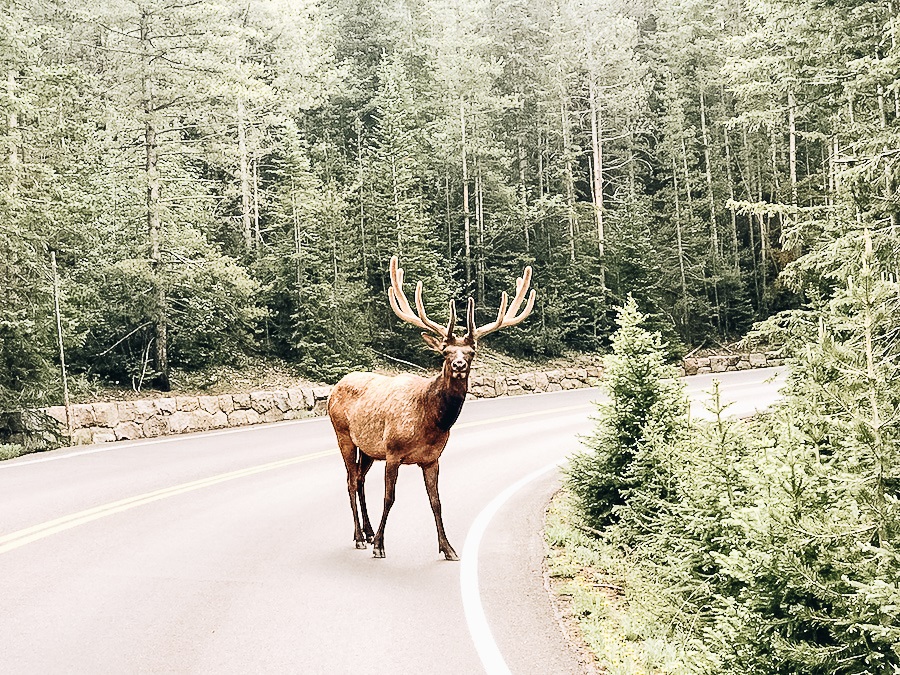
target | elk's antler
[
  {"x": 401, "y": 307},
  {"x": 507, "y": 317}
]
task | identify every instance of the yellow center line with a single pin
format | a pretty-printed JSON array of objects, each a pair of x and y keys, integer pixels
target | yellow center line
[
  {"x": 34, "y": 533},
  {"x": 30, "y": 534}
]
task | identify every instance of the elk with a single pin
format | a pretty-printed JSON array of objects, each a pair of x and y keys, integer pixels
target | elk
[{"x": 406, "y": 419}]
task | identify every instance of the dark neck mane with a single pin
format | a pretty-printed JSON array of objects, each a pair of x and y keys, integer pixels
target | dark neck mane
[{"x": 448, "y": 396}]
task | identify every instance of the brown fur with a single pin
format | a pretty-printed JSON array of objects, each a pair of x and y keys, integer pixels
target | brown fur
[
  {"x": 403, "y": 419},
  {"x": 407, "y": 419}
]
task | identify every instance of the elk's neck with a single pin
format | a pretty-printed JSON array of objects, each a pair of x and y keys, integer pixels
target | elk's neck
[{"x": 448, "y": 395}]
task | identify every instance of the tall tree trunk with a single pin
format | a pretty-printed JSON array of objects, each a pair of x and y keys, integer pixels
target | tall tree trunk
[
  {"x": 597, "y": 178},
  {"x": 479, "y": 225},
  {"x": 467, "y": 234},
  {"x": 154, "y": 218},
  {"x": 679, "y": 240},
  {"x": 256, "y": 231},
  {"x": 246, "y": 229},
  {"x": 569, "y": 177},
  {"x": 13, "y": 125},
  {"x": 713, "y": 219},
  {"x": 735, "y": 250},
  {"x": 523, "y": 191},
  {"x": 361, "y": 176}
]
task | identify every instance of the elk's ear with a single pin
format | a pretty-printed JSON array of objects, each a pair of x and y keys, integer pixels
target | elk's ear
[{"x": 433, "y": 342}]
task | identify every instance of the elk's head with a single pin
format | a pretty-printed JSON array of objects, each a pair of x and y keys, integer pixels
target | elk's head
[{"x": 458, "y": 352}]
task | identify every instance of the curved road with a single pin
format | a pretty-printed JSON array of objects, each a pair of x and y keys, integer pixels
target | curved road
[{"x": 232, "y": 552}]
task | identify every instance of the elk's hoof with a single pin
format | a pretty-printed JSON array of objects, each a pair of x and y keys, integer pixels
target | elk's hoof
[
  {"x": 360, "y": 544},
  {"x": 377, "y": 552},
  {"x": 451, "y": 555}
]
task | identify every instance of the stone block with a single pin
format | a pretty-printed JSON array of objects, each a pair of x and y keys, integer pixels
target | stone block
[
  {"x": 84, "y": 436},
  {"x": 237, "y": 418},
  {"x": 515, "y": 390},
  {"x": 187, "y": 403},
  {"x": 501, "y": 386},
  {"x": 166, "y": 405},
  {"x": 297, "y": 400},
  {"x": 553, "y": 386},
  {"x": 182, "y": 421},
  {"x": 226, "y": 403},
  {"x": 58, "y": 413},
  {"x": 690, "y": 366},
  {"x": 253, "y": 417},
  {"x": 126, "y": 411},
  {"x": 757, "y": 360},
  {"x": 219, "y": 419},
  {"x": 155, "y": 426},
  {"x": 554, "y": 376},
  {"x": 241, "y": 402},
  {"x": 743, "y": 365},
  {"x": 321, "y": 393},
  {"x": 102, "y": 435},
  {"x": 262, "y": 401},
  {"x": 526, "y": 381},
  {"x": 718, "y": 364},
  {"x": 209, "y": 403},
  {"x": 128, "y": 431},
  {"x": 704, "y": 370},
  {"x": 310, "y": 398},
  {"x": 541, "y": 381},
  {"x": 82, "y": 415},
  {"x": 282, "y": 403},
  {"x": 703, "y": 362},
  {"x": 274, "y": 414},
  {"x": 105, "y": 414},
  {"x": 772, "y": 363},
  {"x": 569, "y": 383}
]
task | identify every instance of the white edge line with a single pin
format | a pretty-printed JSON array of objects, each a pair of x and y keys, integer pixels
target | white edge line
[
  {"x": 487, "y": 649},
  {"x": 118, "y": 445}
]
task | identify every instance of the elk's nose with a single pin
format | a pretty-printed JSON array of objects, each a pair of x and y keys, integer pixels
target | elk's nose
[{"x": 458, "y": 364}]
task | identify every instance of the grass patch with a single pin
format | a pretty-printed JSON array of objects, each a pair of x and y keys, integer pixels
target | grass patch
[
  {"x": 609, "y": 600},
  {"x": 11, "y": 450}
]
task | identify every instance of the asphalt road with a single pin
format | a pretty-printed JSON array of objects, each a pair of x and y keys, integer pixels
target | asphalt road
[{"x": 232, "y": 551}]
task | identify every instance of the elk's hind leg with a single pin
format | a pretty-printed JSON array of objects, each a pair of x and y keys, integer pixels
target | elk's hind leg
[
  {"x": 349, "y": 453},
  {"x": 365, "y": 463}
]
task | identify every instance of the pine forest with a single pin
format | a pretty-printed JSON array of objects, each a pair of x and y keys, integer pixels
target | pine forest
[{"x": 222, "y": 178}]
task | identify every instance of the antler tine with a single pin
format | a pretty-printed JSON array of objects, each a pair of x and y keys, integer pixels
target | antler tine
[
  {"x": 508, "y": 317},
  {"x": 400, "y": 304},
  {"x": 435, "y": 328}
]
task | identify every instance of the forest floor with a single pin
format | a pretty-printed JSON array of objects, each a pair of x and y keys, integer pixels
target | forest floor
[{"x": 266, "y": 374}]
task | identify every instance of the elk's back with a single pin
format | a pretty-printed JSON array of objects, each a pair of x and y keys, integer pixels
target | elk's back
[{"x": 380, "y": 410}]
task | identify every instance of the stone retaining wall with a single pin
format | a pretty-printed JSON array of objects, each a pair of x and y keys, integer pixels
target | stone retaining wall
[
  {"x": 731, "y": 362},
  {"x": 131, "y": 420}
]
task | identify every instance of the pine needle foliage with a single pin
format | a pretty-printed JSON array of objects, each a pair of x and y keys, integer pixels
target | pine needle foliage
[{"x": 645, "y": 403}]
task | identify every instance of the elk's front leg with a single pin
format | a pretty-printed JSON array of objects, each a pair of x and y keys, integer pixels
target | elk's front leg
[
  {"x": 365, "y": 463},
  {"x": 348, "y": 451},
  {"x": 391, "y": 469},
  {"x": 430, "y": 472}
]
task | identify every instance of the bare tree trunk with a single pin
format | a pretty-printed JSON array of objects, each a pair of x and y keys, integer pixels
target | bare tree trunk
[
  {"x": 713, "y": 220},
  {"x": 256, "y": 232},
  {"x": 245, "y": 177},
  {"x": 62, "y": 351},
  {"x": 597, "y": 178},
  {"x": 479, "y": 224},
  {"x": 735, "y": 250},
  {"x": 448, "y": 216},
  {"x": 679, "y": 240},
  {"x": 154, "y": 218},
  {"x": 14, "y": 138},
  {"x": 523, "y": 191},
  {"x": 467, "y": 235},
  {"x": 569, "y": 177},
  {"x": 360, "y": 167}
]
